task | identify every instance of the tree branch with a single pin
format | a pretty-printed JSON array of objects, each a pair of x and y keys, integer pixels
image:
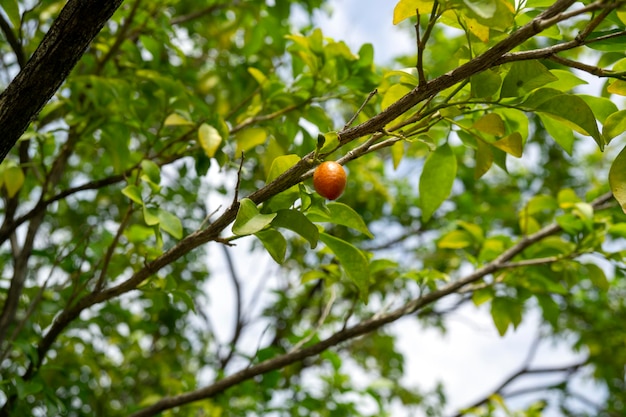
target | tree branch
[
  {"x": 61, "y": 48},
  {"x": 482, "y": 62},
  {"x": 364, "y": 327}
]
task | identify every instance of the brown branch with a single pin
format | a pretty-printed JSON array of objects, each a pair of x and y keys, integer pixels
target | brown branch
[
  {"x": 9, "y": 227},
  {"x": 482, "y": 62},
  {"x": 597, "y": 71},
  {"x": 291, "y": 177},
  {"x": 567, "y": 369},
  {"x": 111, "y": 249},
  {"x": 364, "y": 327},
  {"x": 61, "y": 48}
]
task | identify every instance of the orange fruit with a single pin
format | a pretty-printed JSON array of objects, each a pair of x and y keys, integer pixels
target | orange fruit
[{"x": 329, "y": 180}]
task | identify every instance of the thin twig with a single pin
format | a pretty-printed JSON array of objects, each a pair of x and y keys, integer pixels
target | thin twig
[
  {"x": 239, "y": 324},
  {"x": 320, "y": 321},
  {"x": 355, "y": 115},
  {"x": 111, "y": 249}
]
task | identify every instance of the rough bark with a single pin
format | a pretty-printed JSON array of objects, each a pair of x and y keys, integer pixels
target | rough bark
[{"x": 66, "y": 41}]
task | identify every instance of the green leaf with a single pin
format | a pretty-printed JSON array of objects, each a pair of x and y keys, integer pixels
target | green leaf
[
  {"x": 393, "y": 94},
  {"x": 565, "y": 80},
  {"x": 597, "y": 276},
  {"x": 274, "y": 242},
  {"x": 506, "y": 311},
  {"x": 500, "y": 316},
  {"x": 525, "y": 76},
  {"x": 482, "y": 295},
  {"x": 249, "y": 138},
  {"x": 286, "y": 198},
  {"x": 353, "y": 261},
  {"x": 298, "y": 223},
  {"x": 249, "y": 220},
  {"x": 339, "y": 213},
  {"x": 134, "y": 193},
  {"x": 170, "y": 223},
  {"x": 455, "y": 239},
  {"x": 617, "y": 178},
  {"x": 11, "y": 8},
  {"x": 281, "y": 164},
  {"x": 151, "y": 171},
  {"x": 331, "y": 142},
  {"x": 601, "y": 107},
  {"x": 210, "y": 139},
  {"x": 614, "y": 125},
  {"x": 485, "y": 84},
  {"x": 13, "y": 179},
  {"x": 485, "y": 9},
  {"x": 436, "y": 180},
  {"x": 574, "y": 112},
  {"x": 561, "y": 134},
  {"x": 150, "y": 215}
]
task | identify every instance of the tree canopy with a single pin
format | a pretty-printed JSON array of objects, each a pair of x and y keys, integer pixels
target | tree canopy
[{"x": 140, "y": 139}]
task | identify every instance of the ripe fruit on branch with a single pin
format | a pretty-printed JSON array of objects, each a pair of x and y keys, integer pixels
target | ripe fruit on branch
[{"x": 329, "y": 180}]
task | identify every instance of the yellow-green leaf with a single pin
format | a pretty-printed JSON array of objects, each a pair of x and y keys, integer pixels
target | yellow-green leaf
[
  {"x": 617, "y": 179},
  {"x": 484, "y": 159},
  {"x": 176, "y": 119},
  {"x": 456, "y": 239},
  {"x": 249, "y": 138},
  {"x": 11, "y": 8},
  {"x": 258, "y": 75},
  {"x": 491, "y": 124},
  {"x": 617, "y": 87},
  {"x": 150, "y": 215},
  {"x": 407, "y": 8},
  {"x": 512, "y": 144},
  {"x": 614, "y": 125},
  {"x": 210, "y": 139},
  {"x": 13, "y": 180},
  {"x": 397, "y": 152},
  {"x": 134, "y": 193}
]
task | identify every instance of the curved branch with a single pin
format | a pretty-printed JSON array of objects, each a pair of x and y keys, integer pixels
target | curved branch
[{"x": 364, "y": 327}]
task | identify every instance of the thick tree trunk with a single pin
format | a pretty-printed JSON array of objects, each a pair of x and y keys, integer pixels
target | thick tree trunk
[{"x": 66, "y": 41}]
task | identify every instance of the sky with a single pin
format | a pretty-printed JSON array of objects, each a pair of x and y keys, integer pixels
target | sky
[{"x": 471, "y": 359}]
